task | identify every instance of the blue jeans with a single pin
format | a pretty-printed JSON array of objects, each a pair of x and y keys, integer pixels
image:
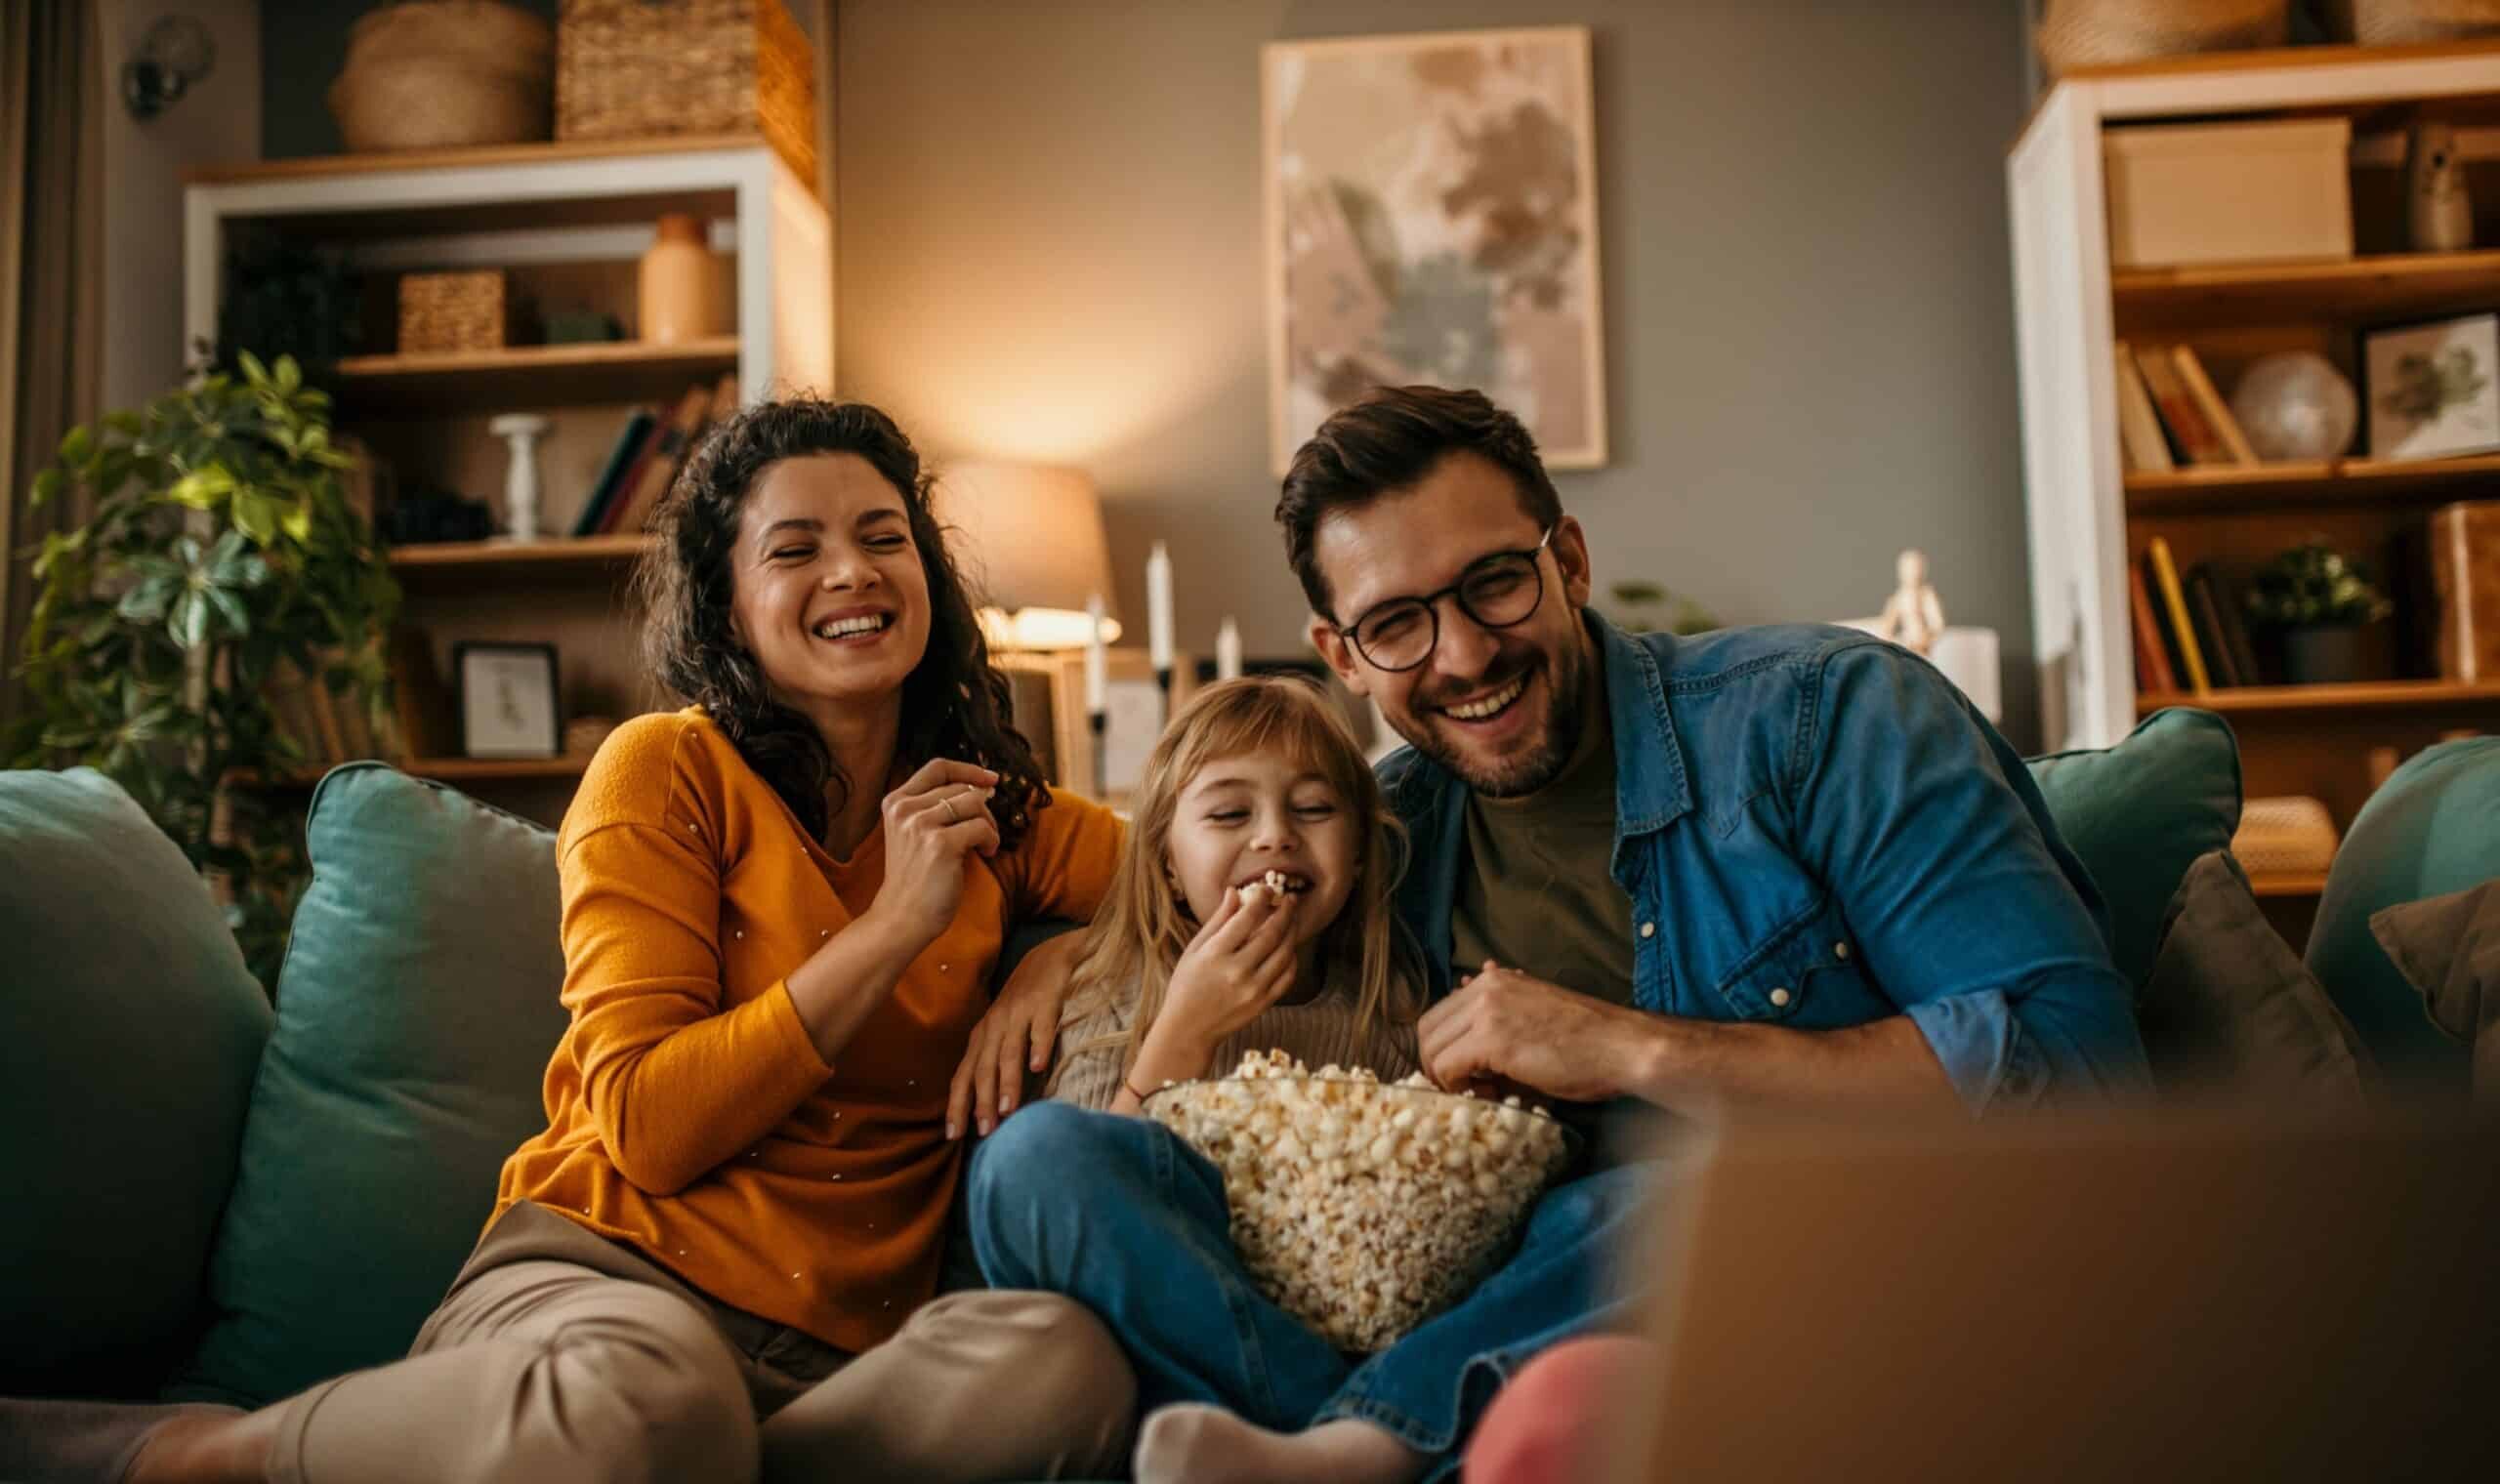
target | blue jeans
[{"x": 1121, "y": 1214}]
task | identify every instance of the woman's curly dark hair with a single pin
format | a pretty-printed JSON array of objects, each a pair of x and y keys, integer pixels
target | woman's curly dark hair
[{"x": 954, "y": 705}]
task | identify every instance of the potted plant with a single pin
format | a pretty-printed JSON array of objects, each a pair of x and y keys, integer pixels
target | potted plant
[
  {"x": 1647, "y": 607},
  {"x": 217, "y": 548},
  {"x": 2317, "y": 599}
]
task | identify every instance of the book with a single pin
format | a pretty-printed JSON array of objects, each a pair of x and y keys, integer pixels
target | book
[
  {"x": 2204, "y": 612},
  {"x": 2230, "y": 580},
  {"x": 2140, "y": 437},
  {"x": 2210, "y": 403},
  {"x": 669, "y": 443},
  {"x": 2152, "y": 659},
  {"x": 2174, "y": 603},
  {"x": 611, "y": 519},
  {"x": 427, "y": 718},
  {"x": 603, "y": 494},
  {"x": 2179, "y": 414},
  {"x": 2465, "y": 571}
]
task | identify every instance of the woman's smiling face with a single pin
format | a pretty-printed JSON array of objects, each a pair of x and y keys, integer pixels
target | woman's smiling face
[{"x": 827, "y": 589}]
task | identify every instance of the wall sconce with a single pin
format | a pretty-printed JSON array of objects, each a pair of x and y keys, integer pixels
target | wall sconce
[{"x": 175, "y": 54}]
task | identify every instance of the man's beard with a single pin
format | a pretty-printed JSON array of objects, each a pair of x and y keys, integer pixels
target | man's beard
[{"x": 1544, "y": 760}]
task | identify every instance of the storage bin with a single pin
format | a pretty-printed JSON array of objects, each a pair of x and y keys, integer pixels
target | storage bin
[
  {"x": 640, "y": 68},
  {"x": 2184, "y": 193}
]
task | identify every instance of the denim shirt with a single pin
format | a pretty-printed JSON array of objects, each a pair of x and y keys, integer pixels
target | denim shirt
[{"x": 1817, "y": 830}]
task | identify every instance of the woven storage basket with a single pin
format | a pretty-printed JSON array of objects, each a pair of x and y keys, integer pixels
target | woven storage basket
[
  {"x": 453, "y": 311},
  {"x": 439, "y": 74},
  {"x": 2284, "y": 837},
  {"x": 2397, "y": 23},
  {"x": 640, "y": 68},
  {"x": 2089, "y": 33}
]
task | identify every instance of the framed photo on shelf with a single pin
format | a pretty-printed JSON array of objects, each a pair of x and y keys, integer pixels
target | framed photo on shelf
[
  {"x": 508, "y": 700},
  {"x": 2434, "y": 389}
]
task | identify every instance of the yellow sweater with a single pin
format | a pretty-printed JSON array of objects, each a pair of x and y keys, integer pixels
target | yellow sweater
[{"x": 689, "y": 1113}]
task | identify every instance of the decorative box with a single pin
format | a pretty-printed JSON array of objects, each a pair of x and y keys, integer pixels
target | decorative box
[
  {"x": 453, "y": 311},
  {"x": 2229, "y": 192},
  {"x": 2464, "y": 578}
]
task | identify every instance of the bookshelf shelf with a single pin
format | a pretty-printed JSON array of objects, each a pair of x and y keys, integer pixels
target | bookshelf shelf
[
  {"x": 2341, "y": 289},
  {"x": 2377, "y": 695},
  {"x": 481, "y": 770},
  {"x": 537, "y": 376},
  {"x": 482, "y": 556},
  {"x": 2286, "y": 884},
  {"x": 2321, "y": 481}
]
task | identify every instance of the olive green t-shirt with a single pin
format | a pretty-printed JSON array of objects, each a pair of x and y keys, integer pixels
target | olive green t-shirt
[{"x": 1535, "y": 893}]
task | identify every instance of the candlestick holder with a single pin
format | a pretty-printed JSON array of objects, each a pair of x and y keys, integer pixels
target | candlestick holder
[
  {"x": 1098, "y": 721},
  {"x": 1163, "y": 686}
]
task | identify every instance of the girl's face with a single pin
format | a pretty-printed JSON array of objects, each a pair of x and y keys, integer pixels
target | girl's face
[
  {"x": 827, "y": 589},
  {"x": 1238, "y": 819}
]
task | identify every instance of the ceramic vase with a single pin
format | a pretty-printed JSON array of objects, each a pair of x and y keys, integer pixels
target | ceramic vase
[{"x": 681, "y": 294}]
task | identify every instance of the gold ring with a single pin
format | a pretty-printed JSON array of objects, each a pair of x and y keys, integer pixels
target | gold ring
[{"x": 951, "y": 818}]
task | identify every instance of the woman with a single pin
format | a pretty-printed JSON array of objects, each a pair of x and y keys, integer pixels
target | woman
[{"x": 781, "y": 908}]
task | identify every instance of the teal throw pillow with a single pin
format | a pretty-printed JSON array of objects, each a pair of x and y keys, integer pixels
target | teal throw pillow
[
  {"x": 129, "y": 1031},
  {"x": 415, "y": 1016},
  {"x": 2139, "y": 813},
  {"x": 2433, "y": 828}
]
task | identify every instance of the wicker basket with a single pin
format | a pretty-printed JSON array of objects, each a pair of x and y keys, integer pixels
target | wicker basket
[
  {"x": 440, "y": 75},
  {"x": 2398, "y": 23},
  {"x": 2284, "y": 837},
  {"x": 2093, "y": 33},
  {"x": 453, "y": 311},
  {"x": 639, "y": 68}
]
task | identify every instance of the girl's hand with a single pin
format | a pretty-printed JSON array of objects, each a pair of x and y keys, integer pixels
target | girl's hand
[
  {"x": 939, "y": 815},
  {"x": 1241, "y": 961}
]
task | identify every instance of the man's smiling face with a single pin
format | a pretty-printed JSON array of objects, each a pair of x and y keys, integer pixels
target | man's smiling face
[{"x": 1500, "y": 707}]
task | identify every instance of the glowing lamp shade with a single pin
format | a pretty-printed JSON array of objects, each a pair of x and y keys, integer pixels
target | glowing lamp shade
[{"x": 1030, "y": 539}]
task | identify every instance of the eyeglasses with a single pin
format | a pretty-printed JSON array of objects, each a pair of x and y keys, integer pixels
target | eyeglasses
[{"x": 1495, "y": 592}]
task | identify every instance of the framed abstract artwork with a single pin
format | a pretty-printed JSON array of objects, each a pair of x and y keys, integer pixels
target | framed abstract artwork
[{"x": 1431, "y": 217}]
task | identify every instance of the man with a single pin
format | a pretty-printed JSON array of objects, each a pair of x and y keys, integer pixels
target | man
[{"x": 1774, "y": 866}]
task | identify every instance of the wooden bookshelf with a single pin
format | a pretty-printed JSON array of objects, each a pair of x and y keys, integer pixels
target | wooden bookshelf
[
  {"x": 2369, "y": 695},
  {"x": 2389, "y": 285},
  {"x": 331, "y": 167},
  {"x": 592, "y": 374},
  {"x": 484, "y": 769},
  {"x": 2308, "y": 481}
]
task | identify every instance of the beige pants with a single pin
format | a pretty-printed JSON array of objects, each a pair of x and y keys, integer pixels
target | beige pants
[{"x": 560, "y": 1356}]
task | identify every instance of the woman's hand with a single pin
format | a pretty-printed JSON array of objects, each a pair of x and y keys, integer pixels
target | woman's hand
[
  {"x": 1240, "y": 962},
  {"x": 1026, "y": 1014},
  {"x": 939, "y": 815}
]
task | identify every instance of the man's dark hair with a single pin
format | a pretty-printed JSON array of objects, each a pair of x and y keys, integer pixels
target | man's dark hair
[{"x": 1389, "y": 441}]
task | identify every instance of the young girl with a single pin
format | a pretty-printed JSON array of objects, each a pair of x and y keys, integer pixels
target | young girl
[{"x": 1251, "y": 911}]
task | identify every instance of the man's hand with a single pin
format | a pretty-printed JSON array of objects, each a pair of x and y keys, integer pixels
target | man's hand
[
  {"x": 1015, "y": 1034},
  {"x": 1504, "y": 1024}
]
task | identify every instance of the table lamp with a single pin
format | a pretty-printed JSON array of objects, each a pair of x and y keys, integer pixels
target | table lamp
[{"x": 1034, "y": 545}]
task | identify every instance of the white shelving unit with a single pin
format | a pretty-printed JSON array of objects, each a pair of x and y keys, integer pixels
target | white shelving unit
[{"x": 2066, "y": 320}]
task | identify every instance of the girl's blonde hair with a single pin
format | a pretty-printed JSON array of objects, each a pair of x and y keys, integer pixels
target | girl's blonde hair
[{"x": 1145, "y": 924}]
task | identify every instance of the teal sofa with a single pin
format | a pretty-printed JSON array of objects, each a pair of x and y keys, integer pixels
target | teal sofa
[{"x": 209, "y": 1199}]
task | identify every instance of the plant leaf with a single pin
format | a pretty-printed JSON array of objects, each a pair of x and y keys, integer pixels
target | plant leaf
[{"x": 77, "y": 444}]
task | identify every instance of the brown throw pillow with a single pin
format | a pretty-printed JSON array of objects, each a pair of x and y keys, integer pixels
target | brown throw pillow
[
  {"x": 2230, "y": 1011},
  {"x": 2449, "y": 947}
]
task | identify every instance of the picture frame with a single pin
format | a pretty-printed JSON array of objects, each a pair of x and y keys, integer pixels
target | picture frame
[
  {"x": 510, "y": 704},
  {"x": 1431, "y": 217},
  {"x": 2432, "y": 388}
]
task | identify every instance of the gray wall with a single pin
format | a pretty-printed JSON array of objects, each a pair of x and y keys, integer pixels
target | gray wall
[{"x": 1050, "y": 218}]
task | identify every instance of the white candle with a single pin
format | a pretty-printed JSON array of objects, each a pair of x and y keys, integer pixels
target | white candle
[
  {"x": 1228, "y": 652},
  {"x": 1098, "y": 673},
  {"x": 1159, "y": 608}
]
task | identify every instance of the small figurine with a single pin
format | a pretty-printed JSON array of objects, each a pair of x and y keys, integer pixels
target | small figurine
[
  {"x": 1912, "y": 616},
  {"x": 2440, "y": 214}
]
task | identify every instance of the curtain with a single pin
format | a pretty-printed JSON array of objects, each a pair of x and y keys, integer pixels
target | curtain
[{"x": 51, "y": 124}]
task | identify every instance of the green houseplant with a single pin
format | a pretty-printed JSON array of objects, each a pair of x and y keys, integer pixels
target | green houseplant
[
  {"x": 2317, "y": 599},
  {"x": 218, "y": 550},
  {"x": 1647, "y": 607}
]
